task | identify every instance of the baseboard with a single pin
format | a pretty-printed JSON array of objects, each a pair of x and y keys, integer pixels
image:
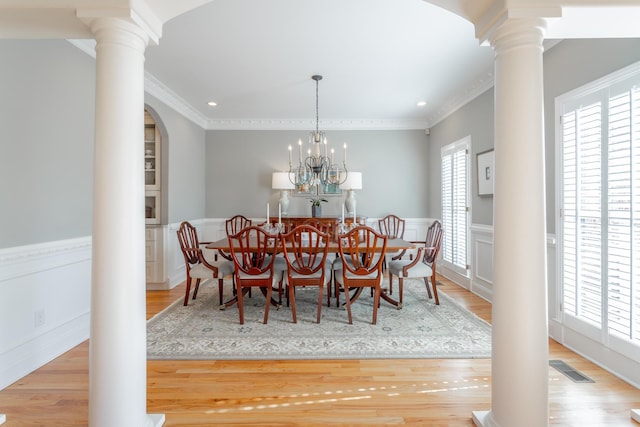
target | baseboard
[{"x": 26, "y": 358}]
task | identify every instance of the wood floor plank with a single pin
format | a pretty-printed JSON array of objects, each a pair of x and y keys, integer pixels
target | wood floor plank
[{"x": 433, "y": 392}]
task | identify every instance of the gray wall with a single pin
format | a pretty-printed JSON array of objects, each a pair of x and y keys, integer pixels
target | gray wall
[
  {"x": 46, "y": 141},
  {"x": 567, "y": 66},
  {"x": 475, "y": 119},
  {"x": 47, "y": 134},
  {"x": 47, "y": 115},
  {"x": 394, "y": 170}
]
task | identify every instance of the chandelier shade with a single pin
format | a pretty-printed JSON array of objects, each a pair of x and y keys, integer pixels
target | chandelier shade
[{"x": 316, "y": 171}]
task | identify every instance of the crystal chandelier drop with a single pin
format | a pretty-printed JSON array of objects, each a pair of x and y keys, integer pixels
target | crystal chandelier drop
[{"x": 317, "y": 172}]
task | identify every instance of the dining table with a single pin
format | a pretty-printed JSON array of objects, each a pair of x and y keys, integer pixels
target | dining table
[{"x": 393, "y": 245}]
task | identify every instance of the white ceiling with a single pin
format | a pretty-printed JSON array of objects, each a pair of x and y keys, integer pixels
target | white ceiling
[{"x": 255, "y": 58}]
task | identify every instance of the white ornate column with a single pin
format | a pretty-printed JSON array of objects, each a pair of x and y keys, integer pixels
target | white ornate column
[
  {"x": 117, "y": 347},
  {"x": 520, "y": 334}
]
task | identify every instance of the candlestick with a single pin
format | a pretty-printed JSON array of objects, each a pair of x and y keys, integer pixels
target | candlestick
[
  {"x": 354, "y": 214},
  {"x": 279, "y": 214},
  {"x": 325, "y": 147},
  {"x": 267, "y": 213},
  {"x": 345, "y": 153},
  {"x": 289, "y": 154},
  {"x": 316, "y": 149},
  {"x": 342, "y": 214},
  {"x": 300, "y": 150},
  {"x": 332, "y": 150}
]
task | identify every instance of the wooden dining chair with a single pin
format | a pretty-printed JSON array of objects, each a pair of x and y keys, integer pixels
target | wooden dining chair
[
  {"x": 330, "y": 228},
  {"x": 196, "y": 265},
  {"x": 253, "y": 253},
  {"x": 233, "y": 225},
  {"x": 305, "y": 250},
  {"x": 361, "y": 250},
  {"x": 424, "y": 264},
  {"x": 392, "y": 226}
]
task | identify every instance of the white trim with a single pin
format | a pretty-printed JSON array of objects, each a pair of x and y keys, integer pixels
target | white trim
[
  {"x": 25, "y": 260},
  {"x": 156, "y": 88},
  {"x": 605, "y": 82},
  {"x": 483, "y": 83},
  {"x": 31, "y": 355},
  {"x": 52, "y": 278}
]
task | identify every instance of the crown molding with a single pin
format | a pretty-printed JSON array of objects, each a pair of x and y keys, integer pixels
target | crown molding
[
  {"x": 482, "y": 84},
  {"x": 156, "y": 88},
  {"x": 307, "y": 124}
]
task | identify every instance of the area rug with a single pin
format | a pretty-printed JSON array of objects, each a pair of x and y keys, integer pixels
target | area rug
[{"x": 421, "y": 329}]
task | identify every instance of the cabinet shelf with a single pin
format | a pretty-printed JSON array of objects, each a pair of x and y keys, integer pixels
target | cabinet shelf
[{"x": 152, "y": 168}]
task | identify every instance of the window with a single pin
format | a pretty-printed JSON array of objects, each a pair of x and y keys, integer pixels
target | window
[
  {"x": 599, "y": 197},
  {"x": 455, "y": 213}
]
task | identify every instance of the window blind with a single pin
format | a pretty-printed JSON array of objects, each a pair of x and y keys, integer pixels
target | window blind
[
  {"x": 600, "y": 220},
  {"x": 454, "y": 160}
]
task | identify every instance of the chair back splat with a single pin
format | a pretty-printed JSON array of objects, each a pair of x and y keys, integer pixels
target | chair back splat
[
  {"x": 253, "y": 252},
  {"x": 305, "y": 251},
  {"x": 233, "y": 225},
  {"x": 361, "y": 250}
]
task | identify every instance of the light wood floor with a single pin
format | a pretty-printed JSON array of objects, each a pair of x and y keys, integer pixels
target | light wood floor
[{"x": 308, "y": 393}]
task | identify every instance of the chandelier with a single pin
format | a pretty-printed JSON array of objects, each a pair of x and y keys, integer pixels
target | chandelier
[{"x": 317, "y": 172}]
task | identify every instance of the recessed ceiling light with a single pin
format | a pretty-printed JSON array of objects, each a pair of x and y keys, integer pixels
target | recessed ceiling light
[
  {"x": 422, "y": 103},
  {"x": 212, "y": 104}
]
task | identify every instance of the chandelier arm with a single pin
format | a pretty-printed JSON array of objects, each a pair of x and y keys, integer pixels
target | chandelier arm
[{"x": 317, "y": 169}]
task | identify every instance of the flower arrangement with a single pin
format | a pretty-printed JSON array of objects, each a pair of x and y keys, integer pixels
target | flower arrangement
[{"x": 316, "y": 202}]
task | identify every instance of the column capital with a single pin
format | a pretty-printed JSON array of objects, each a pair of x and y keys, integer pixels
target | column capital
[
  {"x": 518, "y": 32},
  {"x": 118, "y": 31},
  {"x": 498, "y": 12},
  {"x": 141, "y": 21}
]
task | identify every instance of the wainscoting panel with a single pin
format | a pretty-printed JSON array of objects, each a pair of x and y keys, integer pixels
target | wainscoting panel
[
  {"x": 482, "y": 260},
  {"x": 45, "y": 297}
]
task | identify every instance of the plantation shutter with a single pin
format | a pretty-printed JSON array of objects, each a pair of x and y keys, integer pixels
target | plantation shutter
[
  {"x": 601, "y": 213},
  {"x": 454, "y": 204},
  {"x": 623, "y": 246}
]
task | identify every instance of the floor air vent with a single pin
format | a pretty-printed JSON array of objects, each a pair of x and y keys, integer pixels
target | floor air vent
[{"x": 569, "y": 372}]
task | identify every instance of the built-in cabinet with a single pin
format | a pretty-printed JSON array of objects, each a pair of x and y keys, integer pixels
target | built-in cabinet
[
  {"x": 152, "y": 197},
  {"x": 152, "y": 169}
]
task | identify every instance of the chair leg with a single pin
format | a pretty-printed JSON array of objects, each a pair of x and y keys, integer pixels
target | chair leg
[
  {"x": 435, "y": 288},
  {"x": 400, "y": 288},
  {"x": 348, "y": 302},
  {"x": 220, "y": 290},
  {"x": 266, "y": 309},
  {"x": 240, "y": 304},
  {"x": 291, "y": 297},
  {"x": 186, "y": 292},
  {"x": 329, "y": 290},
  {"x": 426, "y": 282},
  {"x": 195, "y": 289},
  {"x": 376, "y": 303},
  {"x": 320, "y": 294}
]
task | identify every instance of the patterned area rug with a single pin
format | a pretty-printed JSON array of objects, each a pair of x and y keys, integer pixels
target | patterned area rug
[{"x": 201, "y": 331}]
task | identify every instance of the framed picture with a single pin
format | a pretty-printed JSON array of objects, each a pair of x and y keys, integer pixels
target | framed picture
[{"x": 485, "y": 173}]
